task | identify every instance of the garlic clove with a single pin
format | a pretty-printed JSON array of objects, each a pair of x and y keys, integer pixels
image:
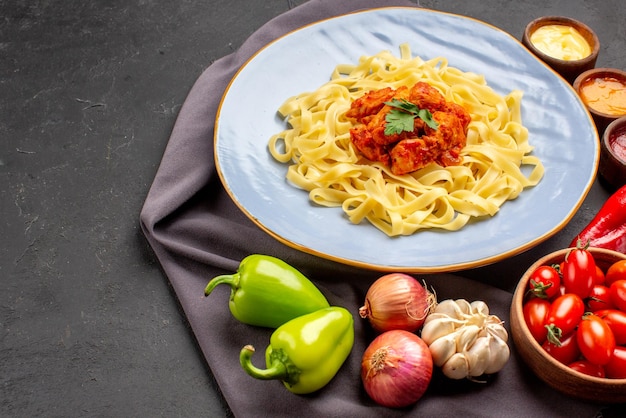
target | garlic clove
[
  {"x": 479, "y": 307},
  {"x": 442, "y": 349},
  {"x": 466, "y": 337},
  {"x": 456, "y": 367},
  {"x": 438, "y": 328},
  {"x": 478, "y": 356},
  {"x": 464, "y": 306},
  {"x": 493, "y": 319},
  {"x": 500, "y": 354},
  {"x": 498, "y": 330},
  {"x": 435, "y": 315},
  {"x": 450, "y": 308}
]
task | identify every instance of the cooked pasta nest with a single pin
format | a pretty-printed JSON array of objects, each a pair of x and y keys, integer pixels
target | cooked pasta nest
[{"x": 497, "y": 165}]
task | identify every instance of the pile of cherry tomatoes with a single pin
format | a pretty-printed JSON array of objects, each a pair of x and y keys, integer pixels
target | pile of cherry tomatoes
[{"x": 577, "y": 313}]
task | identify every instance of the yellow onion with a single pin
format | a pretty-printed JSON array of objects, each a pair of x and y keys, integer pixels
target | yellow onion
[
  {"x": 397, "y": 301},
  {"x": 396, "y": 369}
]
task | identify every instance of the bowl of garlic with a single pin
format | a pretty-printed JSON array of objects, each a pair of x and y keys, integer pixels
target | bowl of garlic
[{"x": 550, "y": 330}]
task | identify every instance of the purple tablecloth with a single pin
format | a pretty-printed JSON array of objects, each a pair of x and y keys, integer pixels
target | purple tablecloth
[{"x": 197, "y": 232}]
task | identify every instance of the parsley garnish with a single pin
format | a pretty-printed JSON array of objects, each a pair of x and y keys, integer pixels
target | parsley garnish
[{"x": 402, "y": 116}]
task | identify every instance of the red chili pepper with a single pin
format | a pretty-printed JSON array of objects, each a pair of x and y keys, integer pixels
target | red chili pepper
[{"x": 608, "y": 228}]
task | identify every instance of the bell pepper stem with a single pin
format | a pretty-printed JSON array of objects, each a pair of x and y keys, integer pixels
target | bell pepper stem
[
  {"x": 230, "y": 279},
  {"x": 277, "y": 370}
]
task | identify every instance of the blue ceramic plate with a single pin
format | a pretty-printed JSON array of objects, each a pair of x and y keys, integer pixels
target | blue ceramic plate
[{"x": 560, "y": 129}]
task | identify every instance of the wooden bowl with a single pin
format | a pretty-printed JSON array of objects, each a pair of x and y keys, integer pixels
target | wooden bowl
[
  {"x": 601, "y": 119},
  {"x": 613, "y": 163},
  {"x": 551, "y": 371},
  {"x": 568, "y": 69}
]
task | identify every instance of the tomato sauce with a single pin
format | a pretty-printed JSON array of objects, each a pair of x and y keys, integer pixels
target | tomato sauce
[
  {"x": 561, "y": 42},
  {"x": 617, "y": 142},
  {"x": 605, "y": 94},
  {"x": 413, "y": 145}
]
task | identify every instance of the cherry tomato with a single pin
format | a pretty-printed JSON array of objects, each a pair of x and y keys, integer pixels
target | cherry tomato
[
  {"x": 579, "y": 272},
  {"x": 545, "y": 282},
  {"x": 535, "y": 314},
  {"x": 565, "y": 313},
  {"x": 600, "y": 277},
  {"x": 617, "y": 271},
  {"x": 616, "y": 367},
  {"x": 567, "y": 352},
  {"x": 617, "y": 290},
  {"x": 588, "y": 368},
  {"x": 599, "y": 298},
  {"x": 595, "y": 339},
  {"x": 616, "y": 320}
]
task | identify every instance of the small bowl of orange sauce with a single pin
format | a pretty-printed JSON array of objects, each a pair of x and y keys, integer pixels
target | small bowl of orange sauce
[
  {"x": 567, "y": 45},
  {"x": 613, "y": 154},
  {"x": 603, "y": 90}
]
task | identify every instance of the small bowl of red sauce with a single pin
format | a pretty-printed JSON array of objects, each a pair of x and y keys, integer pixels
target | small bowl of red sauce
[
  {"x": 613, "y": 154},
  {"x": 567, "y": 45},
  {"x": 603, "y": 90}
]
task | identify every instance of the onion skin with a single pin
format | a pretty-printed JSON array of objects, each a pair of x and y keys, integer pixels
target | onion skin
[
  {"x": 396, "y": 369},
  {"x": 397, "y": 301}
]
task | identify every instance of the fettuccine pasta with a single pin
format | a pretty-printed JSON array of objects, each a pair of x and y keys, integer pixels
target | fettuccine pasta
[{"x": 322, "y": 160}]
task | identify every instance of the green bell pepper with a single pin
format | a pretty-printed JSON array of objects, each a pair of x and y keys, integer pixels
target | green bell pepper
[
  {"x": 306, "y": 352},
  {"x": 268, "y": 292}
]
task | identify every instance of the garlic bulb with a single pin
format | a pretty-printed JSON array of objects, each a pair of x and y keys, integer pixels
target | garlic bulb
[{"x": 465, "y": 340}]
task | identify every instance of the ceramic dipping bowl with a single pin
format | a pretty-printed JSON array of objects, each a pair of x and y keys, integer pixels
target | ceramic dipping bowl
[
  {"x": 603, "y": 90},
  {"x": 613, "y": 154},
  {"x": 567, "y": 45},
  {"x": 551, "y": 371}
]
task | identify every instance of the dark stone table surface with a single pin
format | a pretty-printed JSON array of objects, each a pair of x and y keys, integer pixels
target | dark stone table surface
[{"x": 89, "y": 92}]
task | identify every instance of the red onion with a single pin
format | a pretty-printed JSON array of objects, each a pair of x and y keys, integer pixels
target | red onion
[
  {"x": 396, "y": 369},
  {"x": 397, "y": 301}
]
